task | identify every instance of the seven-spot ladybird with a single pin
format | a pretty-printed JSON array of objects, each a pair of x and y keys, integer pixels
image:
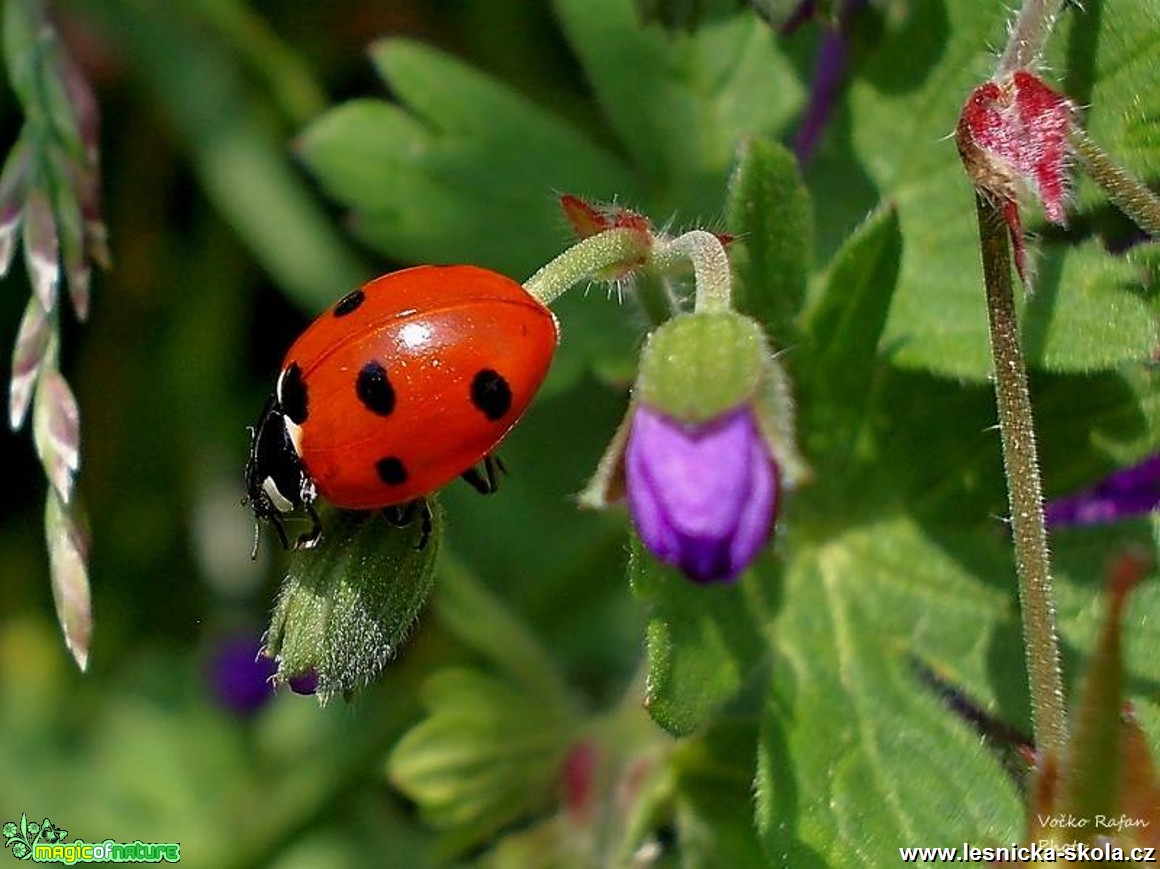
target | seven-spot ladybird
[{"x": 400, "y": 387}]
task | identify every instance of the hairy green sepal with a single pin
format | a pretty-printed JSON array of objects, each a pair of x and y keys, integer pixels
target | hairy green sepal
[{"x": 345, "y": 607}]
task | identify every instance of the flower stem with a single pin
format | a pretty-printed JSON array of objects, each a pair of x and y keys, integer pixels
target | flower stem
[
  {"x": 710, "y": 267},
  {"x": 1134, "y": 198},
  {"x": 1032, "y": 564},
  {"x": 1029, "y": 34},
  {"x": 583, "y": 261}
]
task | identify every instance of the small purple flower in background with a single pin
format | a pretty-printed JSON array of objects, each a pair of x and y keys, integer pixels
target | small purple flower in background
[
  {"x": 239, "y": 677},
  {"x": 829, "y": 75},
  {"x": 1121, "y": 495},
  {"x": 702, "y": 495}
]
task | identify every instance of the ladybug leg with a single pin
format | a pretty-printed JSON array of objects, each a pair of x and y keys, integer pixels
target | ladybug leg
[
  {"x": 425, "y": 518},
  {"x": 402, "y": 515},
  {"x": 477, "y": 481},
  {"x": 309, "y": 539},
  {"x": 486, "y": 483},
  {"x": 307, "y": 496},
  {"x": 275, "y": 520}
]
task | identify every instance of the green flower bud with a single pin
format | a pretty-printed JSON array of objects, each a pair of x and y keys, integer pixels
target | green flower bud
[
  {"x": 346, "y": 606},
  {"x": 696, "y": 366}
]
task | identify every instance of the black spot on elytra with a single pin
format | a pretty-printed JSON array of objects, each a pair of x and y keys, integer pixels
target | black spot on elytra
[
  {"x": 391, "y": 471},
  {"x": 491, "y": 394},
  {"x": 374, "y": 390},
  {"x": 292, "y": 394},
  {"x": 349, "y": 303}
]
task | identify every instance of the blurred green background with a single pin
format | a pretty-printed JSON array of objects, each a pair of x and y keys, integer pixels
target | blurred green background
[
  {"x": 223, "y": 249},
  {"x": 225, "y": 246}
]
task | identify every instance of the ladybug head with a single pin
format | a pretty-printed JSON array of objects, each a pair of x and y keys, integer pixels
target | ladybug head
[{"x": 276, "y": 481}]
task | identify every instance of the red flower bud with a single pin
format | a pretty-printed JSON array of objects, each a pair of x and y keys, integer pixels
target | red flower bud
[{"x": 1013, "y": 138}]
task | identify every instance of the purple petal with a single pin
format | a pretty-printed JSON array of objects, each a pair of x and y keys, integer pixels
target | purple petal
[
  {"x": 304, "y": 683},
  {"x": 702, "y": 496},
  {"x": 828, "y": 78},
  {"x": 1121, "y": 495},
  {"x": 239, "y": 676},
  {"x": 802, "y": 13}
]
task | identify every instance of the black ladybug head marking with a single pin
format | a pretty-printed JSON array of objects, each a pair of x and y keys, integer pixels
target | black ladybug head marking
[
  {"x": 391, "y": 470},
  {"x": 292, "y": 399},
  {"x": 374, "y": 389},
  {"x": 276, "y": 481},
  {"x": 491, "y": 394}
]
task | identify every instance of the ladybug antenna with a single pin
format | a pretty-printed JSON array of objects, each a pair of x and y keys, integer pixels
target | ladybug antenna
[{"x": 257, "y": 539}]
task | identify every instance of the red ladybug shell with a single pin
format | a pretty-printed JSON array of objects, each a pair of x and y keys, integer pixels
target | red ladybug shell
[{"x": 412, "y": 380}]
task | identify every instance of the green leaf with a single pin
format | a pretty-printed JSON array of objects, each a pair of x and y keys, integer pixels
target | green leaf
[
  {"x": 840, "y": 370},
  {"x": 703, "y": 642},
  {"x": 347, "y": 605},
  {"x": 1088, "y": 312},
  {"x": 770, "y": 212},
  {"x": 903, "y": 103},
  {"x": 896, "y": 560},
  {"x": 714, "y": 776},
  {"x": 680, "y": 103},
  {"x": 855, "y": 757},
  {"x": 845, "y": 325},
  {"x": 487, "y": 754},
  {"x": 1108, "y": 61},
  {"x": 465, "y": 172}
]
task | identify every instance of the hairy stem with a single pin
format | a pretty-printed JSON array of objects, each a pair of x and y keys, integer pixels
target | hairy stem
[
  {"x": 1028, "y": 35},
  {"x": 1136, "y": 200},
  {"x": 1025, "y": 496},
  {"x": 584, "y": 262},
  {"x": 711, "y": 271}
]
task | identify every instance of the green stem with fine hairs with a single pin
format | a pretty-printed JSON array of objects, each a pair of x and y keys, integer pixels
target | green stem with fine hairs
[
  {"x": 1129, "y": 193},
  {"x": 585, "y": 260},
  {"x": 1029, "y": 32},
  {"x": 1024, "y": 490},
  {"x": 711, "y": 270}
]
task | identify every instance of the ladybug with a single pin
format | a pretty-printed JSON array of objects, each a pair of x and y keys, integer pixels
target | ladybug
[{"x": 397, "y": 389}]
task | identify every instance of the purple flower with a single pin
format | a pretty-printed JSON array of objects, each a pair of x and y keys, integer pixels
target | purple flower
[
  {"x": 239, "y": 677},
  {"x": 702, "y": 495},
  {"x": 1121, "y": 495}
]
